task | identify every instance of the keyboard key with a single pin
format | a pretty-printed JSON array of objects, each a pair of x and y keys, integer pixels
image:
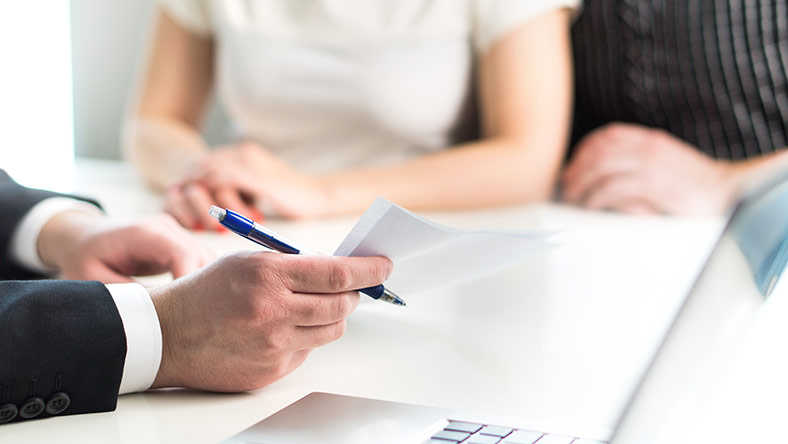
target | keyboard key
[
  {"x": 589, "y": 441},
  {"x": 448, "y": 435},
  {"x": 522, "y": 437},
  {"x": 467, "y": 427},
  {"x": 556, "y": 439},
  {"x": 483, "y": 439},
  {"x": 496, "y": 431}
]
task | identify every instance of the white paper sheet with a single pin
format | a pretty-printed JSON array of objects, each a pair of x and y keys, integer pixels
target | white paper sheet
[{"x": 428, "y": 255}]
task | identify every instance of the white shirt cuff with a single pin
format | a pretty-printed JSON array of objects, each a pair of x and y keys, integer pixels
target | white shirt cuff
[
  {"x": 143, "y": 336},
  {"x": 24, "y": 241}
]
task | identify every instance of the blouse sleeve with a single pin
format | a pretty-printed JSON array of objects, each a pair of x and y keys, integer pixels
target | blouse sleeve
[
  {"x": 494, "y": 19},
  {"x": 191, "y": 14}
]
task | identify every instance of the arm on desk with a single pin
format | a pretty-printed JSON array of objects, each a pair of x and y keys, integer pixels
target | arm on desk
[
  {"x": 239, "y": 324},
  {"x": 63, "y": 348}
]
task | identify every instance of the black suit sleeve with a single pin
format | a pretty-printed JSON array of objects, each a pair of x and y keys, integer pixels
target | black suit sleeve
[
  {"x": 15, "y": 202},
  {"x": 62, "y": 343},
  {"x": 62, "y": 349}
]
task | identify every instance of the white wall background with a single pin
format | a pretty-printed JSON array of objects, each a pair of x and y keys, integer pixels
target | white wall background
[
  {"x": 36, "y": 142},
  {"x": 109, "y": 39}
]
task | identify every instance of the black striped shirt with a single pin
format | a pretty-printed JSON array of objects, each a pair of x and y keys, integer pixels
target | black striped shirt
[{"x": 712, "y": 72}]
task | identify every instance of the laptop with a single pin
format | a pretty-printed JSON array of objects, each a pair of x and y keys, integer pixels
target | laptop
[{"x": 740, "y": 273}]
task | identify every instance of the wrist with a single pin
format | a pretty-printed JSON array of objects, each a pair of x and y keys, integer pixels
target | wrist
[
  {"x": 164, "y": 300},
  {"x": 62, "y": 233},
  {"x": 734, "y": 176},
  {"x": 162, "y": 304}
]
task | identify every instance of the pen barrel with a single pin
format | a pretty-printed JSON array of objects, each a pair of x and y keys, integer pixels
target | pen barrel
[
  {"x": 374, "y": 292},
  {"x": 267, "y": 238}
]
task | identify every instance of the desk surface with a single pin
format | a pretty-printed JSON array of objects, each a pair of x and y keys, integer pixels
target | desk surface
[{"x": 560, "y": 339}]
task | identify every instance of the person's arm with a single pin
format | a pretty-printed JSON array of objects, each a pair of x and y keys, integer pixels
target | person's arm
[
  {"x": 63, "y": 349},
  {"x": 525, "y": 86},
  {"x": 162, "y": 132},
  {"x": 42, "y": 232},
  {"x": 16, "y": 204},
  {"x": 239, "y": 324},
  {"x": 636, "y": 169}
]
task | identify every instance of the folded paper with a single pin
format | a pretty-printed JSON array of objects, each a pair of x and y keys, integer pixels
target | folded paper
[{"x": 428, "y": 255}]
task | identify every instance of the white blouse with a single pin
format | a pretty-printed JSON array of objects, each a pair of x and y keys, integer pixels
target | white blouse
[{"x": 329, "y": 84}]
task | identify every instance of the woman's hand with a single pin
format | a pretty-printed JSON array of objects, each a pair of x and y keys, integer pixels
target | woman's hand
[{"x": 248, "y": 179}]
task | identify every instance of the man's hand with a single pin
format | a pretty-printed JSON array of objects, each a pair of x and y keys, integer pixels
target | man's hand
[
  {"x": 85, "y": 246},
  {"x": 248, "y": 319},
  {"x": 637, "y": 169},
  {"x": 243, "y": 177}
]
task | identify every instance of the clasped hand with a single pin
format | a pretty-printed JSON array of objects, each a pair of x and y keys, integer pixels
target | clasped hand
[
  {"x": 246, "y": 178},
  {"x": 636, "y": 169}
]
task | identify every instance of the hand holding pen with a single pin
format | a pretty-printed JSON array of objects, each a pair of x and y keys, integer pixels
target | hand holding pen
[{"x": 257, "y": 233}]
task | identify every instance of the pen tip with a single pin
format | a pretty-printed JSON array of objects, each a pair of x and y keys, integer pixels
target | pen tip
[
  {"x": 391, "y": 297},
  {"x": 217, "y": 213}
]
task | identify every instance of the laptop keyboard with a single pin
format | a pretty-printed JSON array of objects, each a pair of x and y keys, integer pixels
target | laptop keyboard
[{"x": 472, "y": 433}]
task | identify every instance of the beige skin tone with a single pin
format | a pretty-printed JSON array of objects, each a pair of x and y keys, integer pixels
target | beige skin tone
[
  {"x": 525, "y": 87},
  {"x": 240, "y": 323},
  {"x": 86, "y": 246},
  {"x": 636, "y": 169}
]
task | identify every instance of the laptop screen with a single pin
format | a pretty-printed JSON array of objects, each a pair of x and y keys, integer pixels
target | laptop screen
[{"x": 741, "y": 272}]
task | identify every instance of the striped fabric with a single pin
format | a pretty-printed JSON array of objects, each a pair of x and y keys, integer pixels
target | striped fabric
[{"x": 713, "y": 72}]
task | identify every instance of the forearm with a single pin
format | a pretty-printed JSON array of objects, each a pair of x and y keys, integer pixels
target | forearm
[
  {"x": 50, "y": 338},
  {"x": 162, "y": 135},
  {"x": 740, "y": 172},
  {"x": 525, "y": 89},
  {"x": 495, "y": 171},
  {"x": 161, "y": 148}
]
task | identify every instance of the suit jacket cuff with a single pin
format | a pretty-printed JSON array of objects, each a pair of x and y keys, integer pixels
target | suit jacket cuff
[
  {"x": 143, "y": 336},
  {"x": 24, "y": 241}
]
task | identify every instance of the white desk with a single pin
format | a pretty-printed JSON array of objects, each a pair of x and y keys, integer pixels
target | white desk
[{"x": 561, "y": 339}]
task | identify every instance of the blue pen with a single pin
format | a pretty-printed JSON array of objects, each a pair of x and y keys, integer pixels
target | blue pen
[{"x": 255, "y": 232}]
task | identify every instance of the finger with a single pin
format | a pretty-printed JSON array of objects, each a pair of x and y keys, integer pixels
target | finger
[
  {"x": 615, "y": 192},
  {"x": 586, "y": 154},
  {"x": 156, "y": 255},
  {"x": 306, "y": 338},
  {"x": 307, "y": 310},
  {"x": 175, "y": 205},
  {"x": 614, "y": 136},
  {"x": 174, "y": 231},
  {"x": 199, "y": 200},
  {"x": 245, "y": 185},
  {"x": 331, "y": 274},
  {"x": 230, "y": 198},
  {"x": 159, "y": 245},
  {"x": 638, "y": 207},
  {"x": 97, "y": 271},
  {"x": 585, "y": 151},
  {"x": 607, "y": 164}
]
